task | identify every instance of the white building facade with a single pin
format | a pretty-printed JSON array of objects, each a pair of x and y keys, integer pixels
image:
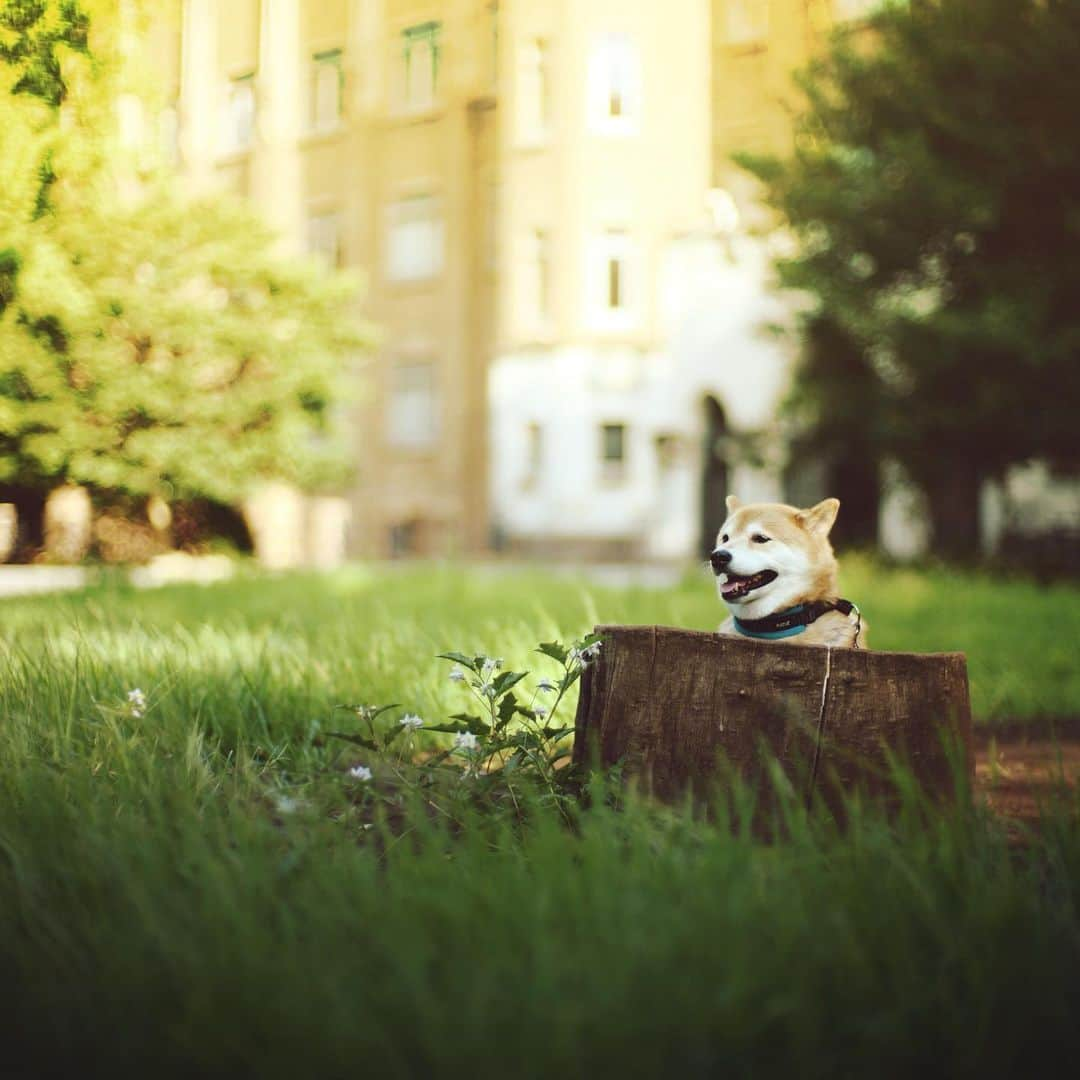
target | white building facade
[
  {"x": 613, "y": 450},
  {"x": 633, "y": 366}
]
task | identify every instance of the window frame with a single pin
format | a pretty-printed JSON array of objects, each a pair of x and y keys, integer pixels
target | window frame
[
  {"x": 320, "y": 62},
  {"x": 400, "y": 435},
  {"x": 613, "y": 246},
  {"x": 315, "y": 248},
  {"x": 230, "y": 141},
  {"x": 614, "y": 57},
  {"x": 407, "y": 40},
  {"x": 534, "y": 455},
  {"x": 613, "y": 470},
  {"x": 534, "y": 91},
  {"x": 394, "y": 262},
  {"x": 752, "y": 27}
]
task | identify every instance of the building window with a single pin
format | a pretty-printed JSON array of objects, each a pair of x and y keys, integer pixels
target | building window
[
  {"x": 615, "y": 85},
  {"x": 169, "y": 135},
  {"x": 667, "y": 451},
  {"x": 856, "y": 9},
  {"x": 533, "y": 90},
  {"x": 534, "y": 455},
  {"x": 616, "y": 282},
  {"x": 613, "y": 444},
  {"x": 611, "y": 281},
  {"x": 412, "y": 417},
  {"x": 414, "y": 239},
  {"x": 325, "y": 92},
  {"x": 539, "y": 275},
  {"x": 419, "y": 65},
  {"x": 240, "y": 114},
  {"x": 747, "y": 21},
  {"x": 404, "y": 539},
  {"x": 324, "y": 238},
  {"x": 612, "y": 453}
]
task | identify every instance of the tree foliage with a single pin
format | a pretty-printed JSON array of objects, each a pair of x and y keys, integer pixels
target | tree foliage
[
  {"x": 149, "y": 342},
  {"x": 934, "y": 185}
]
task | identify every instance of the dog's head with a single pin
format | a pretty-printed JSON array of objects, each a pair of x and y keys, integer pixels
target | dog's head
[{"x": 770, "y": 557}]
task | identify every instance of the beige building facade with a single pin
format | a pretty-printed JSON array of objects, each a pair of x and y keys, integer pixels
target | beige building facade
[{"x": 512, "y": 177}]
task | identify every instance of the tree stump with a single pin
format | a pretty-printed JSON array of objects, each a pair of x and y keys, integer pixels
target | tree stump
[{"x": 673, "y": 705}]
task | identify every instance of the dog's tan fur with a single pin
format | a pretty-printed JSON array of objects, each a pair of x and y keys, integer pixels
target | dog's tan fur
[{"x": 798, "y": 549}]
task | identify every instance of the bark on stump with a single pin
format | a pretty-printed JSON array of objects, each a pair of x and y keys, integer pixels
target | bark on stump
[{"x": 673, "y": 705}]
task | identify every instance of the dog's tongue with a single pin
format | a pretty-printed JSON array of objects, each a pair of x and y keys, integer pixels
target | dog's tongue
[{"x": 728, "y": 588}]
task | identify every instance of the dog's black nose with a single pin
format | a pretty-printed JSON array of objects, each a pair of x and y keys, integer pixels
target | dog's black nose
[{"x": 719, "y": 559}]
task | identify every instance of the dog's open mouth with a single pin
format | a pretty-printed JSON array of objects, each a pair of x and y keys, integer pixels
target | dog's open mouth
[{"x": 736, "y": 586}]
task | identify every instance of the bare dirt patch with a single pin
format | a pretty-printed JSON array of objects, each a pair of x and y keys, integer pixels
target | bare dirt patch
[{"x": 1026, "y": 774}]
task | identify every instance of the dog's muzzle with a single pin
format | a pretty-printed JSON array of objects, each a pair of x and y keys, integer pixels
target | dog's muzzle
[{"x": 719, "y": 560}]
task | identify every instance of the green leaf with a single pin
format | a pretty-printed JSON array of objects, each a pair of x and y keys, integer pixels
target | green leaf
[
  {"x": 356, "y": 740},
  {"x": 507, "y": 707},
  {"x": 436, "y": 760},
  {"x": 391, "y": 735},
  {"x": 513, "y": 761},
  {"x": 507, "y": 680},
  {"x": 382, "y": 709},
  {"x": 554, "y": 734},
  {"x": 556, "y": 650},
  {"x": 465, "y": 722},
  {"x": 527, "y": 740},
  {"x": 368, "y": 712},
  {"x": 462, "y": 659}
]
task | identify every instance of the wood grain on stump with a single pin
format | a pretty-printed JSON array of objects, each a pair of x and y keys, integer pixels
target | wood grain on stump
[{"x": 674, "y": 705}]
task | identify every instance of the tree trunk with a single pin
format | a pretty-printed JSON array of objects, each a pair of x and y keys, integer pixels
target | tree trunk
[
  {"x": 673, "y": 705},
  {"x": 29, "y": 505},
  {"x": 856, "y": 482},
  {"x": 953, "y": 496}
]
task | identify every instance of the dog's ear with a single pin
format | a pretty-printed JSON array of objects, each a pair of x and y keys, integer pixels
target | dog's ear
[
  {"x": 732, "y": 503},
  {"x": 819, "y": 519}
]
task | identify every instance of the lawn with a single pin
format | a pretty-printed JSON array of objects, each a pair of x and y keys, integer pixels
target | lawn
[{"x": 193, "y": 889}]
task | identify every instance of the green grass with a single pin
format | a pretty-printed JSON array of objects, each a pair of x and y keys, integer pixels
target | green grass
[
  {"x": 160, "y": 909},
  {"x": 263, "y": 658}
]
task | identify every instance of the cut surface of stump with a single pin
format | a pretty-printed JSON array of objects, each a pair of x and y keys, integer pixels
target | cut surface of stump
[{"x": 673, "y": 705}]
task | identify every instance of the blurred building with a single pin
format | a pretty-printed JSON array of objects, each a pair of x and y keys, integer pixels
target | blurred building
[
  {"x": 365, "y": 133},
  {"x": 571, "y": 300}
]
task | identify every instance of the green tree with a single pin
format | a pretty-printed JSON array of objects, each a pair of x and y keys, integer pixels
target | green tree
[
  {"x": 149, "y": 343},
  {"x": 934, "y": 185}
]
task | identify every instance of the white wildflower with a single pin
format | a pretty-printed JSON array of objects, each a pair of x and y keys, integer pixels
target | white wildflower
[
  {"x": 136, "y": 702},
  {"x": 360, "y": 772},
  {"x": 540, "y": 713},
  {"x": 465, "y": 740},
  {"x": 457, "y": 675},
  {"x": 583, "y": 656},
  {"x": 492, "y": 664},
  {"x": 411, "y": 721},
  {"x": 284, "y": 805},
  {"x": 546, "y": 686}
]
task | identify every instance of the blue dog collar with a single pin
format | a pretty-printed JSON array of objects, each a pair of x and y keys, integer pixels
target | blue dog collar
[
  {"x": 794, "y": 621},
  {"x": 787, "y": 624}
]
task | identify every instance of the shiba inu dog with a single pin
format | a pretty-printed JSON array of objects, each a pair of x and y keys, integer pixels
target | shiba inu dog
[{"x": 776, "y": 573}]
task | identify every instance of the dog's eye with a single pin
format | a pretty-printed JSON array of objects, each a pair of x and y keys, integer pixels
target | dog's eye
[
  {"x": 758, "y": 538},
  {"x": 723, "y": 539}
]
